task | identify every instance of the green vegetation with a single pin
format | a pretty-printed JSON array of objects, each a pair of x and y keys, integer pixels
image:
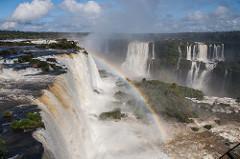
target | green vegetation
[
  {"x": 31, "y": 122},
  {"x": 230, "y": 66},
  {"x": 168, "y": 100},
  {"x": 36, "y": 63},
  {"x": 61, "y": 44},
  {"x": 35, "y": 35},
  {"x": 21, "y": 43},
  {"x": 169, "y": 53},
  {"x": 181, "y": 91},
  {"x": 115, "y": 114},
  {"x": 43, "y": 65},
  {"x": 189, "y": 92},
  {"x": 26, "y": 35}
]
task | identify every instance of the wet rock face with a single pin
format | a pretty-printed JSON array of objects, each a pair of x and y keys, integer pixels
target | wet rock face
[
  {"x": 170, "y": 65},
  {"x": 15, "y": 101},
  {"x": 25, "y": 71},
  {"x": 19, "y": 143}
]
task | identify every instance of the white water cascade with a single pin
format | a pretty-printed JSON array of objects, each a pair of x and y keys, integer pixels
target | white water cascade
[
  {"x": 136, "y": 61},
  {"x": 180, "y": 56},
  {"x": 153, "y": 51},
  {"x": 200, "y": 53},
  {"x": 152, "y": 60},
  {"x": 67, "y": 134},
  {"x": 70, "y": 109}
]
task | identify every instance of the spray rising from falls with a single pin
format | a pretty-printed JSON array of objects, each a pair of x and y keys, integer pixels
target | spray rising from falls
[
  {"x": 202, "y": 56},
  {"x": 136, "y": 62},
  {"x": 73, "y": 130}
]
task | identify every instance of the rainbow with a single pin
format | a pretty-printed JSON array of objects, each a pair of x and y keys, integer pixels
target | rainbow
[{"x": 156, "y": 118}]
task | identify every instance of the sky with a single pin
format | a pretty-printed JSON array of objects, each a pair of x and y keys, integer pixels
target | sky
[{"x": 130, "y": 16}]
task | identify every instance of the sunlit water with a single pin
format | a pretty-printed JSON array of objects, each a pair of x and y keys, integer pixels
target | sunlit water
[{"x": 70, "y": 110}]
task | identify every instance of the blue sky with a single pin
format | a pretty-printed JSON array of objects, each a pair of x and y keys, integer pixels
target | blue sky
[{"x": 120, "y": 15}]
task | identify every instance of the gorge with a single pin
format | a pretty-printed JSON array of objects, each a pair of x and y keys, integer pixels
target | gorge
[{"x": 76, "y": 103}]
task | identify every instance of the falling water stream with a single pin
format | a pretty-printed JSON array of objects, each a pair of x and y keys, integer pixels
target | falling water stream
[
  {"x": 136, "y": 62},
  {"x": 71, "y": 109},
  {"x": 198, "y": 54}
]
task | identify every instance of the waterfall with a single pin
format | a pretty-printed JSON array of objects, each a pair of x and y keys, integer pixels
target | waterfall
[
  {"x": 95, "y": 78},
  {"x": 222, "y": 53},
  {"x": 201, "y": 53},
  {"x": 67, "y": 133},
  {"x": 194, "y": 53},
  {"x": 218, "y": 52},
  {"x": 189, "y": 50},
  {"x": 179, "y": 57},
  {"x": 152, "y": 60},
  {"x": 153, "y": 51},
  {"x": 193, "y": 73},
  {"x": 70, "y": 112},
  {"x": 201, "y": 81},
  {"x": 136, "y": 61}
]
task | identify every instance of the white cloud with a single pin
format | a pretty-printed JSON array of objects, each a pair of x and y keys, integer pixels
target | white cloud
[
  {"x": 90, "y": 8},
  {"x": 26, "y": 12},
  {"x": 8, "y": 25},
  {"x": 197, "y": 15},
  {"x": 221, "y": 10},
  {"x": 31, "y": 11}
]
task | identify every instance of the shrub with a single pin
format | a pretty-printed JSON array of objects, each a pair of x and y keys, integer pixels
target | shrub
[
  {"x": 173, "y": 86},
  {"x": 61, "y": 44},
  {"x": 168, "y": 100},
  {"x": 43, "y": 65},
  {"x": 31, "y": 122},
  {"x": 34, "y": 116},
  {"x": 115, "y": 114}
]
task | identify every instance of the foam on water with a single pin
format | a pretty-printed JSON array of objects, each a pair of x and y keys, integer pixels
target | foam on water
[{"x": 70, "y": 110}]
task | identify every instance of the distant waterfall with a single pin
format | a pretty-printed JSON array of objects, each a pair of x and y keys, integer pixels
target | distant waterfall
[
  {"x": 136, "y": 61},
  {"x": 150, "y": 64},
  {"x": 189, "y": 50},
  {"x": 218, "y": 52},
  {"x": 67, "y": 134},
  {"x": 179, "y": 57},
  {"x": 208, "y": 55},
  {"x": 153, "y": 51}
]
